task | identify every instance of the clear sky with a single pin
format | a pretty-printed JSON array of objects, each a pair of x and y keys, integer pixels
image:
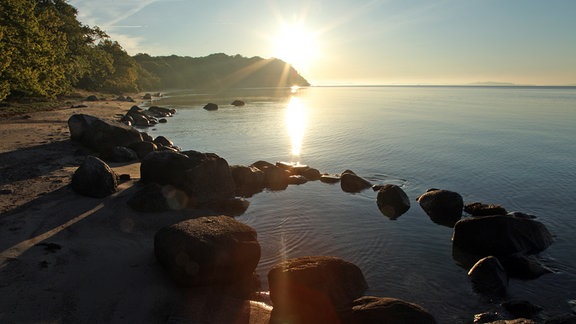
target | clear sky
[{"x": 359, "y": 42}]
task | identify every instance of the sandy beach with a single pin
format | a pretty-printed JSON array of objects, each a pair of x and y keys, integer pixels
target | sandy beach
[{"x": 66, "y": 258}]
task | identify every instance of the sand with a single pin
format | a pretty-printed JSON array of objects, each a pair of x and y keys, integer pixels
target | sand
[{"x": 66, "y": 258}]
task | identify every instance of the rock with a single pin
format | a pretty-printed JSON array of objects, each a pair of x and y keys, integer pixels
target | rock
[
  {"x": 480, "y": 209},
  {"x": 487, "y": 317},
  {"x": 205, "y": 177},
  {"x": 147, "y": 96},
  {"x": 392, "y": 201},
  {"x": 94, "y": 178},
  {"x": 162, "y": 120},
  {"x": 489, "y": 277},
  {"x": 523, "y": 266},
  {"x": 315, "y": 289},
  {"x": 99, "y": 134},
  {"x": 262, "y": 164},
  {"x": 146, "y": 137},
  {"x": 121, "y": 154},
  {"x": 329, "y": 178},
  {"x": 350, "y": 182},
  {"x": 562, "y": 319},
  {"x": 297, "y": 180},
  {"x": 310, "y": 174},
  {"x": 238, "y": 103},
  {"x": 501, "y": 235},
  {"x": 211, "y": 106},
  {"x": 124, "y": 177},
  {"x": 211, "y": 250},
  {"x": 149, "y": 198},
  {"x": 161, "y": 111},
  {"x": 163, "y": 141},
  {"x": 143, "y": 148},
  {"x": 129, "y": 99},
  {"x": 275, "y": 178},
  {"x": 248, "y": 180},
  {"x": 370, "y": 309},
  {"x": 92, "y": 98},
  {"x": 139, "y": 118},
  {"x": 444, "y": 207},
  {"x": 521, "y": 308},
  {"x": 229, "y": 207}
]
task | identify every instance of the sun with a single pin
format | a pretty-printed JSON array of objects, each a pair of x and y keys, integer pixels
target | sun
[{"x": 297, "y": 45}]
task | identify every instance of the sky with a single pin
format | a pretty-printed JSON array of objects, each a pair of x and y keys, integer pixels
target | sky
[{"x": 334, "y": 42}]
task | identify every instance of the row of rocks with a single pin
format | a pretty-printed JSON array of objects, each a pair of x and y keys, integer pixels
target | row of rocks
[
  {"x": 139, "y": 117},
  {"x": 218, "y": 250},
  {"x": 212, "y": 106}
]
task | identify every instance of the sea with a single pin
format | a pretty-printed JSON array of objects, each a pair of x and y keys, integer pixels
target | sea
[{"x": 510, "y": 146}]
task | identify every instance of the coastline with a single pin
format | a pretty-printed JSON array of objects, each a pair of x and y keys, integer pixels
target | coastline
[{"x": 65, "y": 257}]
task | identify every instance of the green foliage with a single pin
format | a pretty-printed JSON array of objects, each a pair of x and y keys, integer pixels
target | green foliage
[
  {"x": 46, "y": 52},
  {"x": 219, "y": 71}
]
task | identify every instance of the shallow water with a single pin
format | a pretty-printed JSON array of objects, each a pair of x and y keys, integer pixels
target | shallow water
[{"x": 512, "y": 146}]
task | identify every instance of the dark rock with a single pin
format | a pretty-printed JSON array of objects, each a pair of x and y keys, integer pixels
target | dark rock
[
  {"x": 73, "y": 106},
  {"x": 487, "y": 317},
  {"x": 147, "y": 96},
  {"x": 521, "y": 215},
  {"x": 286, "y": 166},
  {"x": 480, "y": 209},
  {"x": 249, "y": 180},
  {"x": 489, "y": 277},
  {"x": 210, "y": 250},
  {"x": 392, "y": 201},
  {"x": 262, "y": 164},
  {"x": 121, "y": 154},
  {"x": 297, "y": 180},
  {"x": 229, "y": 207},
  {"x": 163, "y": 141},
  {"x": 160, "y": 111},
  {"x": 275, "y": 178},
  {"x": 129, "y": 99},
  {"x": 143, "y": 148},
  {"x": 162, "y": 120},
  {"x": 139, "y": 118},
  {"x": 501, "y": 235},
  {"x": 92, "y": 98},
  {"x": 6, "y": 192},
  {"x": 211, "y": 106},
  {"x": 329, "y": 178},
  {"x": 94, "y": 178},
  {"x": 444, "y": 207},
  {"x": 101, "y": 135},
  {"x": 523, "y": 266},
  {"x": 124, "y": 177},
  {"x": 146, "y": 137},
  {"x": 205, "y": 177},
  {"x": 149, "y": 198},
  {"x": 521, "y": 308},
  {"x": 238, "y": 103},
  {"x": 317, "y": 289},
  {"x": 350, "y": 182},
  {"x": 310, "y": 174},
  {"x": 370, "y": 309}
]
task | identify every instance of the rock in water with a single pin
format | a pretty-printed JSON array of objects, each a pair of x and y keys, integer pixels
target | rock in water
[
  {"x": 489, "y": 277},
  {"x": 317, "y": 289},
  {"x": 370, "y": 309},
  {"x": 350, "y": 182},
  {"x": 209, "y": 250},
  {"x": 392, "y": 201},
  {"x": 94, "y": 178},
  {"x": 444, "y": 207},
  {"x": 501, "y": 235}
]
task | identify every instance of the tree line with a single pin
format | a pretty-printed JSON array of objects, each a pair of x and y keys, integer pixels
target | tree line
[{"x": 46, "y": 52}]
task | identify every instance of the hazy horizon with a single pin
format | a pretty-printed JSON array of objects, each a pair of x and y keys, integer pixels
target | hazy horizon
[{"x": 380, "y": 42}]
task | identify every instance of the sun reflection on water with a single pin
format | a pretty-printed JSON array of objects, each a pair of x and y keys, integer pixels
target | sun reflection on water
[{"x": 296, "y": 124}]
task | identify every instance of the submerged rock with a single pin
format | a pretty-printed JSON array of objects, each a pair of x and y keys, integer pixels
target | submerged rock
[{"x": 369, "y": 309}]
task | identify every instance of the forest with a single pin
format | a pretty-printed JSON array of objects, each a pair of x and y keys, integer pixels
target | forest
[{"x": 46, "y": 53}]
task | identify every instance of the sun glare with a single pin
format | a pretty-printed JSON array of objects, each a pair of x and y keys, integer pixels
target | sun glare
[
  {"x": 296, "y": 45},
  {"x": 296, "y": 124}
]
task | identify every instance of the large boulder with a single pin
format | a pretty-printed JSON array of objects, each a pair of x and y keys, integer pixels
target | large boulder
[
  {"x": 94, "y": 178},
  {"x": 350, "y": 182},
  {"x": 442, "y": 206},
  {"x": 205, "y": 177},
  {"x": 121, "y": 154},
  {"x": 214, "y": 250},
  {"x": 392, "y": 201},
  {"x": 149, "y": 198},
  {"x": 249, "y": 180},
  {"x": 316, "y": 289},
  {"x": 99, "y": 134},
  {"x": 369, "y": 309},
  {"x": 489, "y": 277},
  {"x": 143, "y": 148},
  {"x": 501, "y": 235}
]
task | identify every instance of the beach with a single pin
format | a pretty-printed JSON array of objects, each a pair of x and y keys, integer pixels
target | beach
[{"x": 69, "y": 258}]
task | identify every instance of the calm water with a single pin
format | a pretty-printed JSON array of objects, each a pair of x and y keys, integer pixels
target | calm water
[{"x": 510, "y": 146}]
